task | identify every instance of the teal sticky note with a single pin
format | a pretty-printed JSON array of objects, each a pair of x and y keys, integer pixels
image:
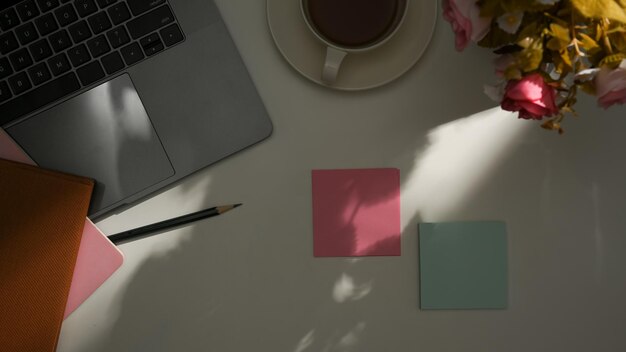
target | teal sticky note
[{"x": 463, "y": 265}]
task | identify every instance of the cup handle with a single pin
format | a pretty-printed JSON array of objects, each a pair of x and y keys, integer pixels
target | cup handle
[{"x": 334, "y": 58}]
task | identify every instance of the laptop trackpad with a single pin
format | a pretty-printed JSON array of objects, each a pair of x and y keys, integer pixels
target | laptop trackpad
[{"x": 105, "y": 134}]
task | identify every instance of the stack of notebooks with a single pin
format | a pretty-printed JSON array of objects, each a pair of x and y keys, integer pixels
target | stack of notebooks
[{"x": 51, "y": 257}]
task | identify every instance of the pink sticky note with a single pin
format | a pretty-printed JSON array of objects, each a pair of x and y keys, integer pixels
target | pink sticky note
[
  {"x": 356, "y": 212},
  {"x": 98, "y": 258}
]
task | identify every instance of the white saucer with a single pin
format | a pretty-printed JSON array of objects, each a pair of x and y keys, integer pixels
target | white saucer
[{"x": 358, "y": 71}]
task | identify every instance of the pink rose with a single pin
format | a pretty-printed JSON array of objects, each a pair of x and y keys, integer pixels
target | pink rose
[
  {"x": 464, "y": 16},
  {"x": 531, "y": 96},
  {"x": 611, "y": 86}
]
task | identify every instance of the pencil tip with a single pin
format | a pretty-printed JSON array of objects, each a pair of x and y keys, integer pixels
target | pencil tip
[{"x": 226, "y": 208}]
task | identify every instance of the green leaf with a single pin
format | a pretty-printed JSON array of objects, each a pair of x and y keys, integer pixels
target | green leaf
[
  {"x": 529, "y": 30},
  {"x": 618, "y": 40},
  {"x": 560, "y": 67},
  {"x": 512, "y": 72},
  {"x": 560, "y": 37},
  {"x": 598, "y": 32},
  {"x": 590, "y": 46},
  {"x": 564, "y": 54},
  {"x": 611, "y": 9},
  {"x": 587, "y": 42},
  {"x": 612, "y": 60},
  {"x": 552, "y": 125},
  {"x": 530, "y": 58},
  {"x": 588, "y": 87}
]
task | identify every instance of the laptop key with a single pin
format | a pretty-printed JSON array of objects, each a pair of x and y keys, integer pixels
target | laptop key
[
  {"x": 151, "y": 44},
  {"x": 5, "y": 68},
  {"x": 98, "y": 46},
  {"x": 8, "y": 19},
  {"x": 46, "y": 24},
  {"x": 26, "y": 33},
  {"x": 20, "y": 59},
  {"x": 171, "y": 34},
  {"x": 38, "y": 97},
  {"x": 90, "y": 73},
  {"x": 27, "y": 10},
  {"x": 19, "y": 83},
  {"x": 118, "y": 36},
  {"x": 112, "y": 62},
  {"x": 59, "y": 64},
  {"x": 39, "y": 73},
  {"x": 5, "y": 93},
  {"x": 105, "y": 3},
  {"x": 150, "y": 22},
  {"x": 79, "y": 31},
  {"x": 99, "y": 22},
  {"x": 60, "y": 40},
  {"x": 85, "y": 7},
  {"x": 119, "y": 13},
  {"x": 132, "y": 53},
  {"x": 140, "y": 6},
  {"x": 8, "y": 43},
  {"x": 40, "y": 50},
  {"x": 154, "y": 49},
  {"x": 150, "y": 40},
  {"x": 47, "y": 5},
  {"x": 78, "y": 55},
  {"x": 66, "y": 15}
]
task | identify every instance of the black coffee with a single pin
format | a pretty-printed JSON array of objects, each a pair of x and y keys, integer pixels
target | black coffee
[{"x": 354, "y": 23}]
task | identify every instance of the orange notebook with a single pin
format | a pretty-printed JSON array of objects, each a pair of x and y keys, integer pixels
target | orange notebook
[{"x": 42, "y": 214}]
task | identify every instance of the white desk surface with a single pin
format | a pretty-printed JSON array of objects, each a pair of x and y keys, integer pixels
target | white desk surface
[{"x": 247, "y": 281}]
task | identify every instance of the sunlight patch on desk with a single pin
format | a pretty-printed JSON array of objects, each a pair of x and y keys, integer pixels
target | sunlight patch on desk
[
  {"x": 459, "y": 157},
  {"x": 350, "y": 340},
  {"x": 305, "y": 342},
  {"x": 346, "y": 289},
  {"x": 340, "y": 341}
]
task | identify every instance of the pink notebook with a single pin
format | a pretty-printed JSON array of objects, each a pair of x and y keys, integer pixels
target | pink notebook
[{"x": 98, "y": 258}]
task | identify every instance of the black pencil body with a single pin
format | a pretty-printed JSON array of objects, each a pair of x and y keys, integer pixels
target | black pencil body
[{"x": 170, "y": 223}]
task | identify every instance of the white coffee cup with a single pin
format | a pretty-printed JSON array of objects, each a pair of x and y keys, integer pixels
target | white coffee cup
[{"x": 345, "y": 31}]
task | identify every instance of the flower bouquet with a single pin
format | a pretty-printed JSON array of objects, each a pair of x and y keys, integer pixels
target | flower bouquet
[{"x": 548, "y": 50}]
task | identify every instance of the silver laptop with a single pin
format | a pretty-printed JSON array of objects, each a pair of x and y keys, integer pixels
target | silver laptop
[{"x": 135, "y": 94}]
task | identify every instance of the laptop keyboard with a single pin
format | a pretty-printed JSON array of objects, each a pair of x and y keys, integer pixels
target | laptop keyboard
[{"x": 50, "y": 49}]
